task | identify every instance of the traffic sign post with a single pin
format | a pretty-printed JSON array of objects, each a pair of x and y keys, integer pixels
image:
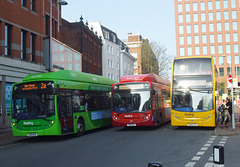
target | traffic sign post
[{"x": 230, "y": 79}]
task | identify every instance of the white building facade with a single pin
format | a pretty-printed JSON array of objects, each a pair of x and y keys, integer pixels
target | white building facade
[{"x": 113, "y": 57}]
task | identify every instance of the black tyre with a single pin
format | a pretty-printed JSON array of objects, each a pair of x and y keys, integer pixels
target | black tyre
[{"x": 80, "y": 127}]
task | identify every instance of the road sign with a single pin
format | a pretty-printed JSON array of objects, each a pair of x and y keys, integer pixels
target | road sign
[{"x": 230, "y": 78}]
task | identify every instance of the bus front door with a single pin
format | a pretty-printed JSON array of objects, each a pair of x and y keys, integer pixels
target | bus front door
[{"x": 65, "y": 112}]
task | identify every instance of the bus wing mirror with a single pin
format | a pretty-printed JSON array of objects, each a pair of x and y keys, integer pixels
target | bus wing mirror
[{"x": 154, "y": 164}]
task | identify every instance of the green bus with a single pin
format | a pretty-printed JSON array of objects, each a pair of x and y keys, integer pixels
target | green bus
[{"x": 59, "y": 103}]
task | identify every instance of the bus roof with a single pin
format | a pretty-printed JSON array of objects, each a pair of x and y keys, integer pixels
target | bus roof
[
  {"x": 144, "y": 77},
  {"x": 68, "y": 75},
  {"x": 190, "y": 57}
]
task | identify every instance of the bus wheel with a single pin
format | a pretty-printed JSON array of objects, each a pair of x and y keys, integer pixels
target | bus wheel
[{"x": 80, "y": 127}]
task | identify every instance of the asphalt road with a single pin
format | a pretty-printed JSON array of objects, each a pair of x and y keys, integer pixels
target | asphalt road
[{"x": 121, "y": 147}]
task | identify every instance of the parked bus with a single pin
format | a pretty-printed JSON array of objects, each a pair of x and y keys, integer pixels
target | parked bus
[
  {"x": 141, "y": 100},
  {"x": 59, "y": 103},
  {"x": 193, "y": 92}
]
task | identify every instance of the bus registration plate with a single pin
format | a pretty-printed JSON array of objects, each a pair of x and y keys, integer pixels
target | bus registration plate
[
  {"x": 131, "y": 124},
  {"x": 32, "y": 134},
  {"x": 192, "y": 124}
]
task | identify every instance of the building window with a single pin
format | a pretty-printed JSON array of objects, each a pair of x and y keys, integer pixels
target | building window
[
  {"x": 218, "y": 15},
  {"x": 220, "y": 60},
  {"x": 219, "y": 27},
  {"x": 202, "y": 5},
  {"x": 70, "y": 66},
  {"x": 196, "y": 39},
  {"x": 229, "y": 70},
  {"x": 181, "y": 40},
  {"x": 233, "y": 3},
  {"x": 236, "y": 59},
  {"x": 235, "y": 37},
  {"x": 210, "y": 5},
  {"x": 32, "y": 5},
  {"x": 180, "y": 9},
  {"x": 195, "y": 17},
  {"x": 225, "y": 4},
  {"x": 70, "y": 57},
  {"x": 196, "y": 30},
  {"x": 189, "y": 40},
  {"x": 234, "y": 24},
  {"x": 189, "y": 50},
  {"x": 197, "y": 50},
  {"x": 204, "y": 28},
  {"x": 211, "y": 27},
  {"x": 234, "y": 14},
  {"x": 229, "y": 60},
  {"x": 210, "y": 16},
  {"x": 195, "y": 7},
  {"x": 219, "y": 38},
  {"x": 204, "y": 38},
  {"x": 227, "y": 37},
  {"x": 220, "y": 49},
  {"x": 23, "y": 45},
  {"x": 218, "y": 6},
  {"x": 32, "y": 47},
  {"x": 187, "y": 7},
  {"x": 182, "y": 52},
  {"x": 237, "y": 71},
  {"x": 188, "y": 18},
  {"x": 226, "y": 25},
  {"x": 203, "y": 17},
  {"x": 77, "y": 67},
  {"x": 55, "y": 57},
  {"x": 188, "y": 29},
  {"x": 236, "y": 49},
  {"x": 181, "y": 31},
  {"x": 204, "y": 50},
  {"x": 212, "y": 49},
  {"x": 24, "y": 3},
  {"x": 221, "y": 71},
  {"x": 228, "y": 48},
  {"x": 180, "y": 18},
  {"x": 212, "y": 38},
  {"x": 226, "y": 15},
  {"x": 62, "y": 57},
  {"x": 7, "y": 49}
]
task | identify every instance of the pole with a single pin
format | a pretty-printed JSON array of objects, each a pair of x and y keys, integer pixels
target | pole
[
  {"x": 50, "y": 39},
  {"x": 233, "y": 117}
]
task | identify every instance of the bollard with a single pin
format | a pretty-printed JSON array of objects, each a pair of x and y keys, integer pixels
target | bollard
[
  {"x": 154, "y": 164},
  {"x": 218, "y": 155}
]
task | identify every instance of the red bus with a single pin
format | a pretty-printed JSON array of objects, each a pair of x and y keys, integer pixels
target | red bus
[{"x": 141, "y": 100}]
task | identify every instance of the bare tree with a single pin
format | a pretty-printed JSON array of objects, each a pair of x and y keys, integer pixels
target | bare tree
[{"x": 164, "y": 60}]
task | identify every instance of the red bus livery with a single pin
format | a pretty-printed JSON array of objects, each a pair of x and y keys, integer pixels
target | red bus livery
[{"x": 141, "y": 100}]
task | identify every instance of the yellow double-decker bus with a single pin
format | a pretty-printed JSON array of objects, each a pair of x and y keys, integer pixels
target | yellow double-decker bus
[{"x": 193, "y": 92}]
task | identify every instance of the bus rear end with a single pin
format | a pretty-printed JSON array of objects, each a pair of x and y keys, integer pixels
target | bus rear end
[
  {"x": 131, "y": 104},
  {"x": 193, "y": 92}
]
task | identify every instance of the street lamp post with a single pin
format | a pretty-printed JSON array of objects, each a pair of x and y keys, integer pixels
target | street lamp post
[
  {"x": 60, "y": 2},
  {"x": 233, "y": 116}
]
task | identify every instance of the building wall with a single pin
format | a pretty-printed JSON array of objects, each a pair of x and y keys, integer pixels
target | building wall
[
  {"x": 20, "y": 54},
  {"x": 64, "y": 57},
  {"x": 135, "y": 48},
  {"x": 210, "y": 28},
  {"x": 78, "y": 36}
]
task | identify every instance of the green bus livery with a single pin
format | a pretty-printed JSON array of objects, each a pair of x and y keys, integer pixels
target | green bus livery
[{"x": 59, "y": 103}]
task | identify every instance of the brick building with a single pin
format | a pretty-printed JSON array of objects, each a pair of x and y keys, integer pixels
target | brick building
[
  {"x": 23, "y": 27},
  {"x": 210, "y": 27},
  {"x": 78, "y": 36},
  {"x": 135, "y": 48}
]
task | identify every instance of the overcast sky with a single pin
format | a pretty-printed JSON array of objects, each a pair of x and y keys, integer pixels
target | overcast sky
[{"x": 153, "y": 19}]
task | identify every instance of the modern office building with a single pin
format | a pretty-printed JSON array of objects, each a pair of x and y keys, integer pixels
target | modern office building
[{"x": 210, "y": 28}]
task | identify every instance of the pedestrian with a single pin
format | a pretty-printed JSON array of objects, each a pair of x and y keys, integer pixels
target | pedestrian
[
  {"x": 229, "y": 105},
  {"x": 224, "y": 115}
]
